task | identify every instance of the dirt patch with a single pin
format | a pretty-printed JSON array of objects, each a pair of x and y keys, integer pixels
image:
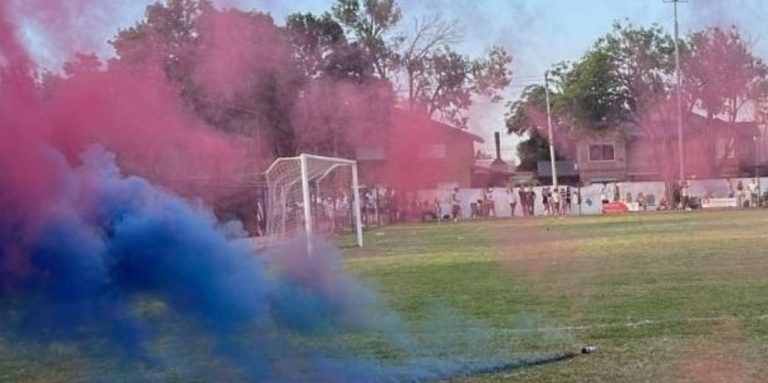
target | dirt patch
[
  {"x": 552, "y": 259},
  {"x": 724, "y": 357},
  {"x": 534, "y": 249}
]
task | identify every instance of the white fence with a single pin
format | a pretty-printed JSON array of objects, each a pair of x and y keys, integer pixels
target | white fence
[{"x": 590, "y": 195}]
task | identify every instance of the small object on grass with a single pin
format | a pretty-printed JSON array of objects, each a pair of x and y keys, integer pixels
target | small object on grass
[{"x": 589, "y": 349}]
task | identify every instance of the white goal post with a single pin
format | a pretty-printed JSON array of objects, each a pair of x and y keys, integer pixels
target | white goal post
[{"x": 313, "y": 195}]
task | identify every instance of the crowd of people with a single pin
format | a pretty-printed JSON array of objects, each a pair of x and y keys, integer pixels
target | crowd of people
[
  {"x": 743, "y": 194},
  {"x": 386, "y": 206},
  {"x": 520, "y": 199}
]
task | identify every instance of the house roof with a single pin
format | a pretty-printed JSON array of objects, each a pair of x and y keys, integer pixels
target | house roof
[
  {"x": 694, "y": 124},
  {"x": 405, "y": 116}
]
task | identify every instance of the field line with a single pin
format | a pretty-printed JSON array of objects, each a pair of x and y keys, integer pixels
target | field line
[{"x": 640, "y": 323}]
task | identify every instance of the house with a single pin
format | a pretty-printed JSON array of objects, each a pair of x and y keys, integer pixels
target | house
[
  {"x": 491, "y": 172},
  {"x": 416, "y": 152},
  {"x": 712, "y": 149}
]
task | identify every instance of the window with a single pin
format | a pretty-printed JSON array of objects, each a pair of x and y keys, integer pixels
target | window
[
  {"x": 370, "y": 153},
  {"x": 724, "y": 148},
  {"x": 432, "y": 151},
  {"x": 601, "y": 152}
]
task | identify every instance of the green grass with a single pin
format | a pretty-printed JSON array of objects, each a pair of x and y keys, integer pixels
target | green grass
[
  {"x": 666, "y": 297},
  {"x": 657, "y": 293}
]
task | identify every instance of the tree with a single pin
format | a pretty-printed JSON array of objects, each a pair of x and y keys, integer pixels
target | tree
[
  {"x": 82, "y": 64},
  {"x": 619, "y": 80},
  {"x": 165, "y": 36},
  {"x": 236, "y": 70},
  {"x": 532, "y": 150},
  {"x": 450, "y": 80},
  {"x": 721, "y": 77},
  {"x": 370, "y": 22},
  {"x": 437, "y": 79},
  {"x": 527, "y": 117},
  {"x": 315, "y": 40}
]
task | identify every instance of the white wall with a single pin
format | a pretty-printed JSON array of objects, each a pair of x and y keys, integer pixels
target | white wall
[{"x": 590, "y": 201}]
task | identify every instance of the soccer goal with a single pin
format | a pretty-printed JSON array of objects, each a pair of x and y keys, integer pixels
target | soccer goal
[{"x": 313, "y": 196}]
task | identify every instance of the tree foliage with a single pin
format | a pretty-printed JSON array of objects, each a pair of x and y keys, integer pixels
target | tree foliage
[
  {"x": 721, "y": 76},
  {"x": 243, "y": 74},
  {"x": 370, "y": 22},
  {"x": 628, "y": 77},
  {"x": 437, "y": 80}
]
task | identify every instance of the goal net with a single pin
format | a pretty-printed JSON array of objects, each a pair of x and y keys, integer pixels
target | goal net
[{"x": 311, "y": 195}]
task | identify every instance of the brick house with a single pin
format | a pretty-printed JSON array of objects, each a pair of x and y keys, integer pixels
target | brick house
[
  {"x": 417, "y": 152},
  {"x": 713, "y": 149}
]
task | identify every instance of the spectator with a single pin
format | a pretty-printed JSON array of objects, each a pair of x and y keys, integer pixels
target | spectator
[
  {"x": 663, "y": 203},
  {"x": 641, "y": 203},
  {"x": 603, "y": 194},
  {"x": 523, "y": 194},
  {"x": 545, "y": 200},
  {"x": 394, "y": 206},
  {"x": 438, "y": 209},
  {"x": 684, "y": 193},
  {"x": 531, "y": 201},
  {"x": 677, "y": 196},
  {"x": 512, "y": 198},
  {"x": 753, "y": 193},
  {"x": 616, "y": 193},
  {"x": 731, "y": 192},
  {"x": 455, "y": 206},
  {"x": 568, "y": 197},
  {"x": 491, "y": 203},
  {"x": 740, "y": 193},
  {"x": 477, "y": 208},
  {"x": 556, "y": 202}
]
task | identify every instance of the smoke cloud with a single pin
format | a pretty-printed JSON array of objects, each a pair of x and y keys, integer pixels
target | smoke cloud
[{"x": 99, "y": 254}]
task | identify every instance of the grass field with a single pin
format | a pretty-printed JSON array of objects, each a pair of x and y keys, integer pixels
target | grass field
[
  {"x": 679, "y": 297},
  {"x": 666, "y": 297}
]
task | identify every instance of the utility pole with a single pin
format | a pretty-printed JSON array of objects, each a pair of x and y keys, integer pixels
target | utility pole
[
  {"x": 757, "y": 167},
  {"x": 679, "y": 92},
  {"x": 549, "y": 130}
]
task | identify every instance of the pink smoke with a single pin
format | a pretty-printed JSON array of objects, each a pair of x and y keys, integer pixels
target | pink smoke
[{"x": 138, "y": 115}]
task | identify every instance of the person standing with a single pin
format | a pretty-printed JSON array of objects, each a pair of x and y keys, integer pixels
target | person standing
[
  {"x": 490, "y": 203},
  {"x": 753, "y": 193},
  {"x": 531, "y": 201},
  {"x": 740, "y": 193},
  {"x": 523, "y": 194},
  {"x": 556, "y": 202},
  {"x": 684, "y": 193},
  {"x": 455, "y": 204},
  {"x": 562, "y": 200},
  {"x": 731, "y": 192},
  {"x": 512, "y": 200},
  {"x": 568, "y": 199},
  {"x": 641, "y": 201},
  {"x": 545, "y": 200},
  {"x": 604, "y": 194}
]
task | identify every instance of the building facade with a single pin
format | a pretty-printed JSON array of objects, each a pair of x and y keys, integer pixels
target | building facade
[
  {"x": 712, "y": 148},
  {"x": 418, "y": 153}
]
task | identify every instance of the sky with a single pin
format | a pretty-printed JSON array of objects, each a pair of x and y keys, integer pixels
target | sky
[{"x": 538, "y": 33}]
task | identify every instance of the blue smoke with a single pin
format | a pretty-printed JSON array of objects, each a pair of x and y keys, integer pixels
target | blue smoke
[{"x": 125, "y": 269}]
